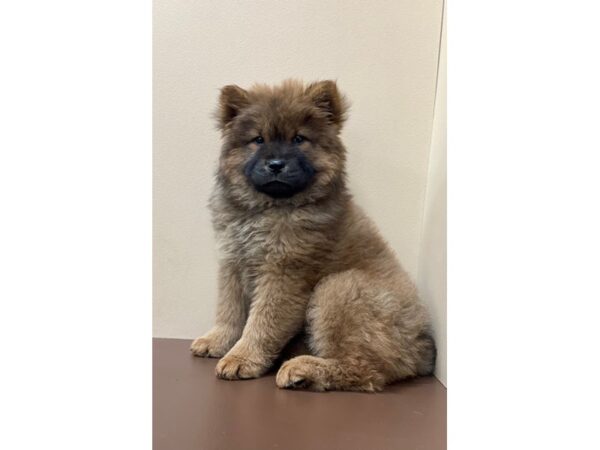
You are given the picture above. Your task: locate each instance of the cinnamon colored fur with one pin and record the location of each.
(309, 266)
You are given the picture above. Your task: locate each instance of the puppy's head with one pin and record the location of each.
(281, 144)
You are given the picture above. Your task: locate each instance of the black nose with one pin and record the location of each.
(276, 165)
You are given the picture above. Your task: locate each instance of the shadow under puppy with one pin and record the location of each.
(298, 256)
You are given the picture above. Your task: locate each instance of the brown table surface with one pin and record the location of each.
(192, 409)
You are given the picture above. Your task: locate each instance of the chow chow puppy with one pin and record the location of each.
(300, 261)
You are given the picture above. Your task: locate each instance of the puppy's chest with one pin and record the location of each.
(258, 241)
(274, 242)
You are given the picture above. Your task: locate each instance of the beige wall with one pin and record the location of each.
(431, 277)
(384, 55)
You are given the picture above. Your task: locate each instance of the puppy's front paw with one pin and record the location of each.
(236, 367)
(212, 345)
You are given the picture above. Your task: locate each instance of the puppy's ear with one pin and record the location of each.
(326, 96)
(232, 100)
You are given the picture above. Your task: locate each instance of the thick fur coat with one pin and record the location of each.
(300, 262)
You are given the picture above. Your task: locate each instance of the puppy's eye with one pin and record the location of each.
(298, 139)
(258, 140)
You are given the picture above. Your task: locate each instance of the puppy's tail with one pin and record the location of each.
(427, 354)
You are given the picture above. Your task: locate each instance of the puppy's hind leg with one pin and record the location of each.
(323, 374)
(364, 332)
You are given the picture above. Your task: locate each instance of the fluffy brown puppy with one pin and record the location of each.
(299, 257)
